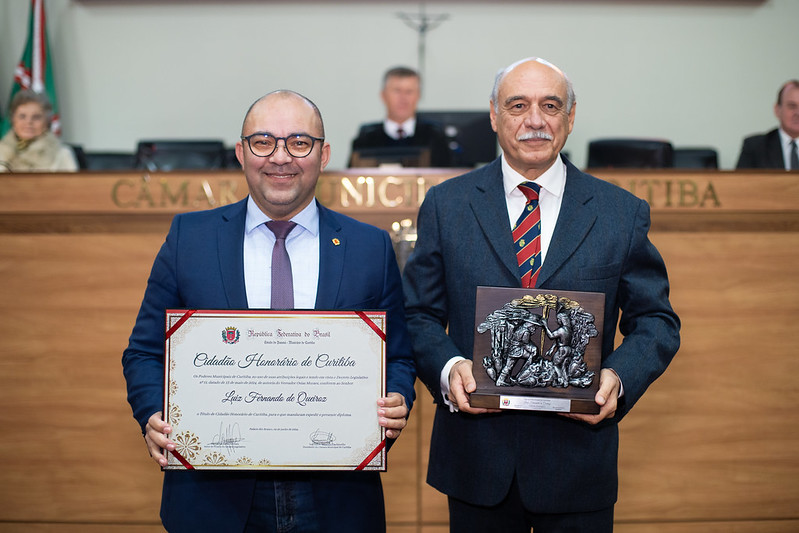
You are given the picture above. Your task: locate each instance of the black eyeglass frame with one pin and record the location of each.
(285, 144)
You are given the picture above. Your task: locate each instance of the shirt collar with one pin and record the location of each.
(553, 180)
(408, 127)
(308, 218)
(785, 139)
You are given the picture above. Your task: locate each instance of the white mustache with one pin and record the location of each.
(534, 135)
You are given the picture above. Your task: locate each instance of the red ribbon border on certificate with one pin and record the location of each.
(372, 455)
(382, 444)
(371, 324)
(169, 333)
(180, 322)
(183, 461)
(363, 317)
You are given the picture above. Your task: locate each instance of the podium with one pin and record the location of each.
(712, 441)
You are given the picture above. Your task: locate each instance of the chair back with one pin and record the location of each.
(707, 158)
(630, 153)
(166, 155)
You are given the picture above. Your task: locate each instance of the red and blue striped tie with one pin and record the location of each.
(527, 236)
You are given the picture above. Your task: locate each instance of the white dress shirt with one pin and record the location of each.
(302, 244)
(392, 128)
(785, 144)
(552, 183)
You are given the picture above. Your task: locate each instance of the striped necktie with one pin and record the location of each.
(527, 236)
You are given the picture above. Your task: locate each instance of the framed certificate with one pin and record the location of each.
(282, 390)
(537, 350)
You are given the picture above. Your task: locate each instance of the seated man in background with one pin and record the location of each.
(400, 128)
(777, 148)
(30, 146)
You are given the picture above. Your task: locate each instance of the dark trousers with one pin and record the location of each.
(510, 516)
(317, 502)
(283, 506)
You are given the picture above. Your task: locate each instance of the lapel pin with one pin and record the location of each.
(336, 242)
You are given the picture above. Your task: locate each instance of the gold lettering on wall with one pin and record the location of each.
(144, 193)
(672, 193)
(374, 192)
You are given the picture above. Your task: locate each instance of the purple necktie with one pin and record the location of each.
(282, 284)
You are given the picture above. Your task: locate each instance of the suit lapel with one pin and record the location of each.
(230, 239)
(487, 201)
(577, 215)
(332, 245)
(774, 144)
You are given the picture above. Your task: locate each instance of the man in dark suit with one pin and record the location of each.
(401, 129)
(220, 259)
(512, 470)
(777, 148)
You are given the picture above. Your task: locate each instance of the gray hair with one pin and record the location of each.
(570, 98)
(27, 96)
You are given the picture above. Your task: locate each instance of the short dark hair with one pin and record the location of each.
(789, 83)
(399, 72)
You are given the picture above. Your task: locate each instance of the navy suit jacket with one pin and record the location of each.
(600, 244)
(762, 151)
(200, 266)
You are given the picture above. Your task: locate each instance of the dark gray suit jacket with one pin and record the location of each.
(600, 244)
(762, 151)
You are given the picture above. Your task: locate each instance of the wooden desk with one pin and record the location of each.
(711, 446)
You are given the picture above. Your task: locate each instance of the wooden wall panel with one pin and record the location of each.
(716, 437)
(69, 302)
(711, 447)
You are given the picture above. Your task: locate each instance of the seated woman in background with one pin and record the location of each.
(30, 146)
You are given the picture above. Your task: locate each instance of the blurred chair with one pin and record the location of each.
(403, 156)
(169, 155)
(80, 155)
(230, 159)
(109, 161)
(472, 141)
(706, 158)
(630, 153)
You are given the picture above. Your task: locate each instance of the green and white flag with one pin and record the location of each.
(35, 70)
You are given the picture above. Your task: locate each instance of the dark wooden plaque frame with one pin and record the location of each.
(571, 399)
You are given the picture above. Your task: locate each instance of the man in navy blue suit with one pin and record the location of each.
(512, 470)
(220, 259)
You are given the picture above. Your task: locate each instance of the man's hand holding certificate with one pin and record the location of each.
(275, 390)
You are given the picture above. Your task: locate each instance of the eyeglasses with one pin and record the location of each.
(264, 144)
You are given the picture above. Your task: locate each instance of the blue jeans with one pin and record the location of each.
(283, 506)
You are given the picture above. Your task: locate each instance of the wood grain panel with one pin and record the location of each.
(711, 447)
(715, 438)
